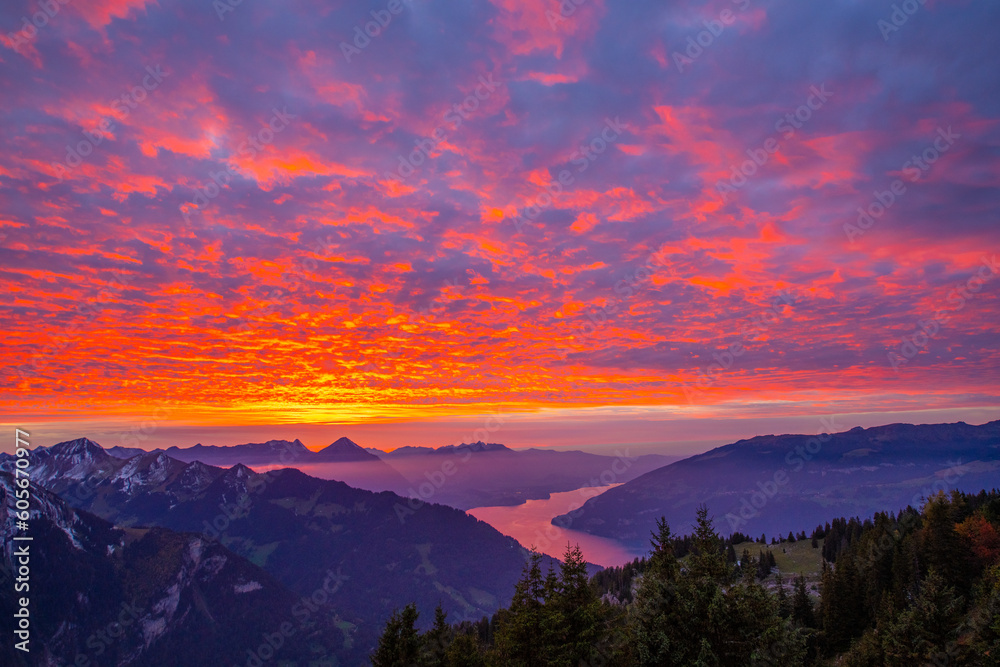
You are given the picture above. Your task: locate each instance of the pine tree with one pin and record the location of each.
(987, 620)
(400, 642)
(802, 605)
(707, 560)
(747, 565)
(662, 561)
(437, 639)
(464, 651)
(842, 610)
(575, 613)
(941, 543)
(927, 630)
(784, 605)
(521, 628)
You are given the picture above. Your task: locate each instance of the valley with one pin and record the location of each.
(531, 524)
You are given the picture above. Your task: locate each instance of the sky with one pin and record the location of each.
(664, 224)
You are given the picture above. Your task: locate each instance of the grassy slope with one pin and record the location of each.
(792, 559)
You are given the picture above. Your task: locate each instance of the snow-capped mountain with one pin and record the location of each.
(389, 549)
(100, 595)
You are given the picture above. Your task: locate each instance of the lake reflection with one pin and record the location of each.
(530, 525)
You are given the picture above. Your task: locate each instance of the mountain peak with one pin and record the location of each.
(478, 446)
(239, 472)
(344, 449)
(84, 447)
(297, 444)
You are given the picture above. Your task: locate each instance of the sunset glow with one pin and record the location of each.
(263, 218)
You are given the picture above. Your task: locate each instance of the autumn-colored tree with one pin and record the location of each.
(982, 540)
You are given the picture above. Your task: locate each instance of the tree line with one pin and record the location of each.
(918, 588)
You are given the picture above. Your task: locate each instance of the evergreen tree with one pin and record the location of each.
(658, 615)
(400, 642)
(784, 604)
(747, 565)
(707, 560)
(575, 613)
(941, 543)
(662, 561)
(698, 617)
(521, 628)
(802, 605)
(841, 607)
(986, 620)
(928, 630)
(464, 651)
(437, 639)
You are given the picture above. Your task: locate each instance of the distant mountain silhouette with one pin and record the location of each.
(777, 483)
(479, 474)
(298, 528)
(263, 453)
(342, 460)
(472, 448)
(343, 449)
(483, 474)
(270, 453)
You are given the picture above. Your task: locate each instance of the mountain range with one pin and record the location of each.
(383, 549)
(343, 460)
(478, 474)
(483, 474)
(210, 555)
(272, 452)
(775, 483)
(102, 595)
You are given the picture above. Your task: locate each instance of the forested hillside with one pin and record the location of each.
(918, 588)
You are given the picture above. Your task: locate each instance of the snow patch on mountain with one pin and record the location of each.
(248, 587)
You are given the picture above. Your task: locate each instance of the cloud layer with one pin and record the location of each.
(339, 211)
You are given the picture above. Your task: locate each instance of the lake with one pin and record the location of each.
(529, 524)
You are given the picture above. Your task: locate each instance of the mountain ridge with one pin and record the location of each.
(105, 595)
(773, 483)
(297, 527)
